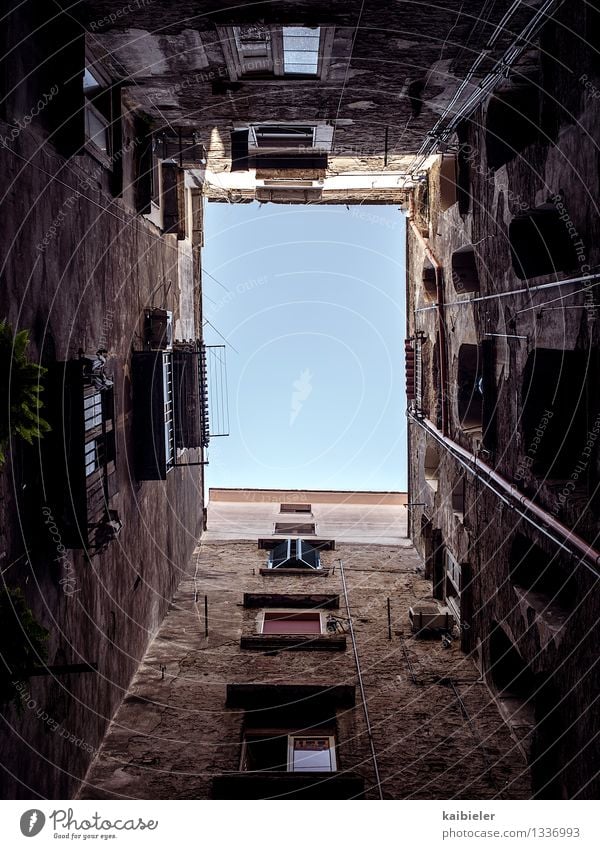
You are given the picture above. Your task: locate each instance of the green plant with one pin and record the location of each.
(22, 643)
(20, 387)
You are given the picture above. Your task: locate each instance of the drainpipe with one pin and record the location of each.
(360, 682)
(439, 289)
(527, 509)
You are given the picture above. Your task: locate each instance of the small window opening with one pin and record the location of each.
(464, 270)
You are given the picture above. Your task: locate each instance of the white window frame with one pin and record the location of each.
(288, 611)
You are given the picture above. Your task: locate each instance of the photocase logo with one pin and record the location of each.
(32, 822)
(302, 389)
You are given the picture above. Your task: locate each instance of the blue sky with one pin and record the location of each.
(314, 306)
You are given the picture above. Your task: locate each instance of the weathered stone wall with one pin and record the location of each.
(78, 269)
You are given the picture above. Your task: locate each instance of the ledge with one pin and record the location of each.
(297, 600)
(293, 642)
(288, 785)
(301, 696)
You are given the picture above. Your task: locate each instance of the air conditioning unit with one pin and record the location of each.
(430, 618)
(159, 329)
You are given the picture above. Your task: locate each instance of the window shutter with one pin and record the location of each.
(65, 71)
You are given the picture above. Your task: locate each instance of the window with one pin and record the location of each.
(97, 124)
(92, 460)
(432, 466)
(291, 622)
(464, 270)
(295, 508)
(512, 123)
(296, 528)
(274, 750)
(556, 401)
(540, 243)
(545, 583)
(261, 52)
(294, 554)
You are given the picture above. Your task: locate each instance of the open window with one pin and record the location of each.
(463, 169)
(458, 498)
(298, 148)
(555, 413)
(259, 52)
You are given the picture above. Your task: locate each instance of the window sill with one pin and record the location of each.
(293, 642)
(316, 573)
(285, 785)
